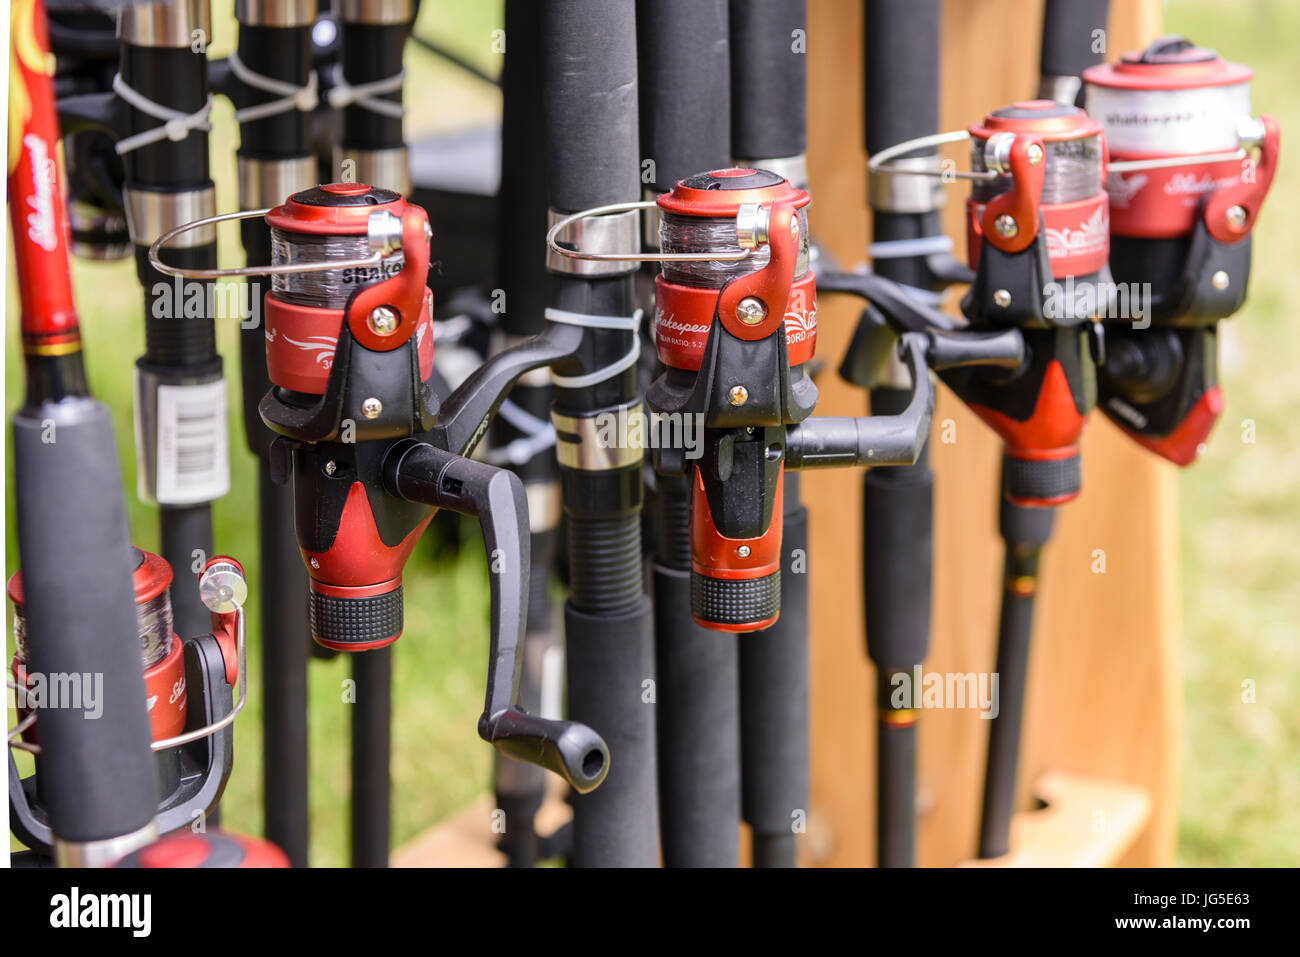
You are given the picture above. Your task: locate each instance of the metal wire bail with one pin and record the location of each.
(384, 239)
(552, 240)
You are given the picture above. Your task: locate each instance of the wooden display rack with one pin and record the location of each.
(1103, 712)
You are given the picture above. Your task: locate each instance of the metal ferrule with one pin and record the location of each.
(545, 505)
(165, 23)
(387, 168)
(275, 13)
(105, 852)
(376, 12)
(793, 168)
(890, 190)
(650, 221)
(150, 213)
(613, 233)
(1061, 89)
(88, 218)
(586, 443)
(269, 182)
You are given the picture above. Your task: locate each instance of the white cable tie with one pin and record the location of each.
(345, 94)
(176, 125)
(903, 248)
(630, 323)
(292, 97)
(539, 435)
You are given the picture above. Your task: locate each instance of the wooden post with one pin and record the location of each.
(1104, 696)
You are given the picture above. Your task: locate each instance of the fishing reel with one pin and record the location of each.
(188, 683)
(371, 451)
(1185, 191)
(1037, 241)
(735, 326)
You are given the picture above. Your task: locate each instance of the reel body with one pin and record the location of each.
(1185, 196)
(1038, 242)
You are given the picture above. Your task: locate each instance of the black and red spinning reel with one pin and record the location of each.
(1189, 171)
(188, 683)
(371, 452)
(1037, 231)
(735, 326)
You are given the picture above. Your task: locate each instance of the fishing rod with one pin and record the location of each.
(901, 100)
(592, 157)
(368, 90)
(1025, 522)
(1024, 361)
(1073, 39)
(372, 452)
(682, 56)
(159, 112)
(1181, 224)
(71, 517)
(768, 131)
(523, 439)
(272, 82)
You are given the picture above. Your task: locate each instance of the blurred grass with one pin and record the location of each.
(1240, 506)
(439, 763)
(1240, 517)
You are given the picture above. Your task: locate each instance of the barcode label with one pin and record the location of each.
(193, 462)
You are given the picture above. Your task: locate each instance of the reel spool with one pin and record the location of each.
(716, 212)
(1185, 194)
(330, 227)
(1068, 147)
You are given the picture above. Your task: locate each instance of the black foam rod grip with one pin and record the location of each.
(901, 70)
(1070, 40)
(521, 207)
(590, 96)
(897, 536)
(685, 65)
(699, 730)
(774, 695)
(610, 673)
(97, 772)
(769, 78)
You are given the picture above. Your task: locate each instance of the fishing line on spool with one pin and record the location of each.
(697, 234)
(1072, 171)
(330, 288)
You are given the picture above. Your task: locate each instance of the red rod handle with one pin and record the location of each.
(36, 209)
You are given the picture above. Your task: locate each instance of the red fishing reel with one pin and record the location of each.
(188, 685)
(735, 322)
(349, 351)
(1038, 230)
(1190, 168)
(371, 451)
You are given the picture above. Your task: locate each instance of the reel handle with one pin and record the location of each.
(420, 472)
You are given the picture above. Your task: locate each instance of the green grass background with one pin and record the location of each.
(1240, 518)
